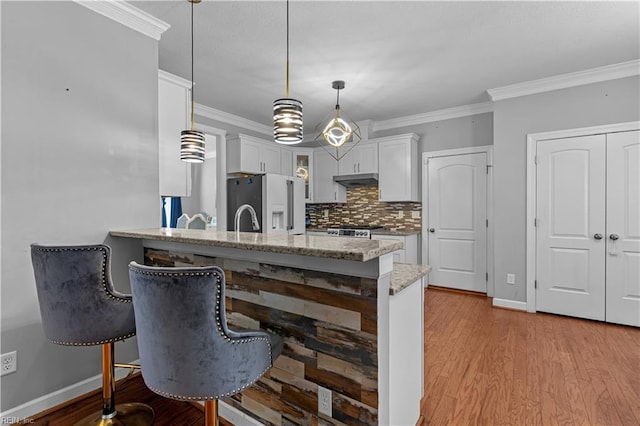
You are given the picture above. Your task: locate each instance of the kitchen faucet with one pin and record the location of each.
(254, 217)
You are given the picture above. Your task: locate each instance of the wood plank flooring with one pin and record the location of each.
(483, 366)
(488, 366)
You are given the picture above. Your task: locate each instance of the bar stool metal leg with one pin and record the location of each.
(211, 412)
(130, 414)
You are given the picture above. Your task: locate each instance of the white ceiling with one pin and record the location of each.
(398, 58)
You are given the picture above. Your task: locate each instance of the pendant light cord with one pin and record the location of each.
(287, 70)
(192, 84)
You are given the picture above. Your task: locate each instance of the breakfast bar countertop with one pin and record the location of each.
(354, 249)
(405, 274)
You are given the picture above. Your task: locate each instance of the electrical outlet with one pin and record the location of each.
(415, 214)
(9, 363)
(400, 214)
(324, 401)
(325, 213)
(511, 278)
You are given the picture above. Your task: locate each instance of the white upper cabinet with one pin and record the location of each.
(399, 170)
(325, 190)
(247, 154)
(271, 159)
(302, 165)
(363, 158)
(286, 162)
(173, 117)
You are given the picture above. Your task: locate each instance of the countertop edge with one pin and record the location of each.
(405, 274)
(344, 254)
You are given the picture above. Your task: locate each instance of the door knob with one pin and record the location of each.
(613, 237)
(432, 230)
(597, 236)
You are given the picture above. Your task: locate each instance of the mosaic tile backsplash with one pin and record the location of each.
(363, 208)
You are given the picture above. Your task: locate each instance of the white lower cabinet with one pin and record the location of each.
(409, 252)
(325, 190)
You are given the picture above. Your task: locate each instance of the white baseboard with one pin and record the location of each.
(50, 400)
(510, 304)
(25, 411)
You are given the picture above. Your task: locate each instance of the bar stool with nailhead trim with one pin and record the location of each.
(80, 307)
(187, 352)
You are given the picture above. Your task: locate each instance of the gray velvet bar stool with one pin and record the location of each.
(80, 307)
(187, 351)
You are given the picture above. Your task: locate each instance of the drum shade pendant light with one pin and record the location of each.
(337, 131)
(287, 112)
(192, 141)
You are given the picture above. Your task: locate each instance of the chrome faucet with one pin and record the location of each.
(254, 217)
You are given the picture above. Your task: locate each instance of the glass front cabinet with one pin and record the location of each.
(303, 168)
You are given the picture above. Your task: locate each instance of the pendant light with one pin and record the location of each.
(287, 112)
(337, 131)
(192, 141)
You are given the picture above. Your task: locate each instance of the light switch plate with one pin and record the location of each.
(511, 278)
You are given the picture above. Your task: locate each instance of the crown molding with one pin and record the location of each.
(564, 81)
(429, 117)
(172, 78)
(234, 120)
(130, 16)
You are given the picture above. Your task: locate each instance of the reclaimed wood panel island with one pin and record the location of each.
(329, 298)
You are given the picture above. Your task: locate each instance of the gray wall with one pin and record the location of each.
(609, 102)
(463, 132)
(79, 157)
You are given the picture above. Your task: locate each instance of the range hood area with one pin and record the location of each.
(353, 181)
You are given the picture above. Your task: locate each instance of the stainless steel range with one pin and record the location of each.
(352, 231)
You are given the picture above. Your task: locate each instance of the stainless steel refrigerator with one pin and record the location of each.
(277, 200)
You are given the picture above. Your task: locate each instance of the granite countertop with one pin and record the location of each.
(405, 274)
(400, 233)
(355, 249)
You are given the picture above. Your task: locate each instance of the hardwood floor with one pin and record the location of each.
(483, 366)
(168, 412)
(488, 366)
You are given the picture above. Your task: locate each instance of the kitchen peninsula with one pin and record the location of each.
(350, 322)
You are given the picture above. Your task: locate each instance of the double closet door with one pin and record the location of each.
(588, 227)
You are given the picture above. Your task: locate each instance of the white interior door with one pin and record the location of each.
(623, 228)
(571, 230)
(457, 215)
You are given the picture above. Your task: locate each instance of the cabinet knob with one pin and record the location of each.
(597, 236)
(613, 237)
(432, 230)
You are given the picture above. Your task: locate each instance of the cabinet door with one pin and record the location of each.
(367, 158)
(324, 189)
(286, 162)
(347, 164)
(270, 159)
(396, 172)
(173, 113)
(303, 168)
(250, 157)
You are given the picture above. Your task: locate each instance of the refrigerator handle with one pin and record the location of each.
(289, 205)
